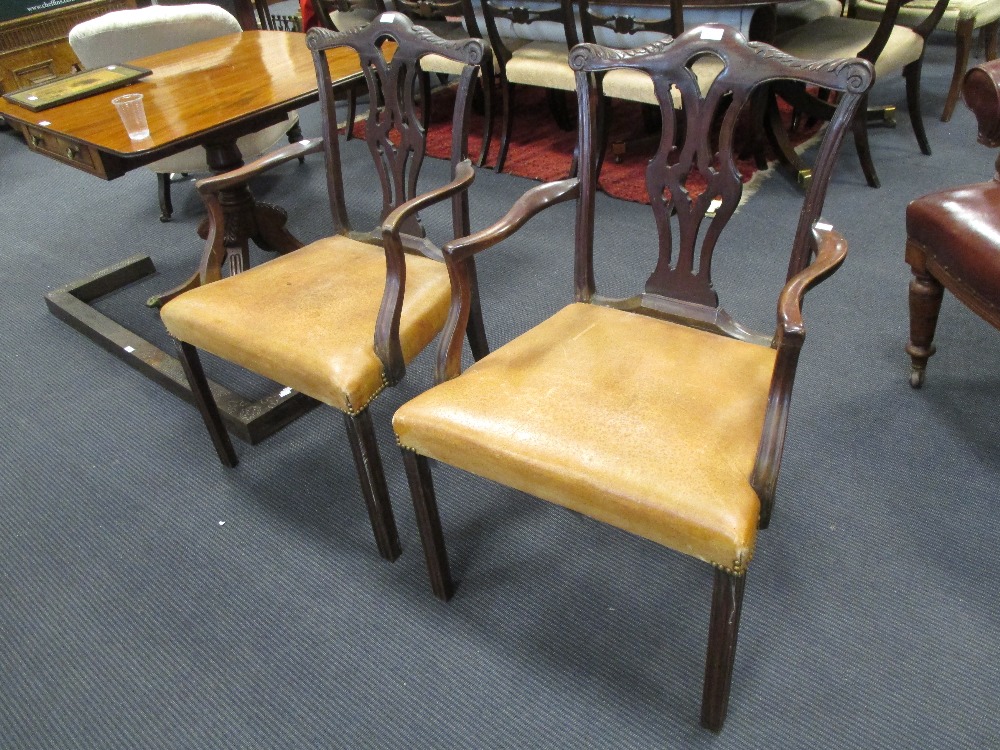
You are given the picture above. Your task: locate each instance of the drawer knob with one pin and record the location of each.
(72, 152)
(37, 141)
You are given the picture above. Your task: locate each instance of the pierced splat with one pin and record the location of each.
(697, 141)
(394, 133)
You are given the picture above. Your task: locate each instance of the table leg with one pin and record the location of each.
(246, 220)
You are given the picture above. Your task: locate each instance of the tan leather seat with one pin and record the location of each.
(622, 417)
(318, 339)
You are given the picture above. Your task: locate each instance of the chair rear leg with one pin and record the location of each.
(727, 602)
(486, 84)
(205, 402)
(368, 462)
(912, 75)
(926, 294)
(418, 472)
(507, 105)
(163, 192)
(989, 36)
(963, 47)
(860, 127)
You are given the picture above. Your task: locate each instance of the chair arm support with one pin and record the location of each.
(459, 257)
(530, 203)
(270, 160)
(387, 346)
(830, 249)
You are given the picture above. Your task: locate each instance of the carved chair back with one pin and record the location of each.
(520, 13)
(418, 10)
(345, 15)
(875, 47)
(627, 22)
(389, 49)
(698, 139)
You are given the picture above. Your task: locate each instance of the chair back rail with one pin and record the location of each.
(625, 21)
(522, 13)
(698, 138)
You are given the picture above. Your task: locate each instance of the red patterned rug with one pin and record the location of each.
(540, 150)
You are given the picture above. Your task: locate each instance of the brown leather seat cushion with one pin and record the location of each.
(960, 231)
(646, 425)
(307, 319)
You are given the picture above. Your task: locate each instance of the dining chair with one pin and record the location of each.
(658, 414)
(953, 235)
(440, 16)
(541, 62)
(961, 17)
(340, 318)
(891, 47)
(125, 35)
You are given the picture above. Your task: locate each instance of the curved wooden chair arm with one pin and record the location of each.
(830, 249)
(270, 160)
(532, 202)
(387, 346)
(459, 256)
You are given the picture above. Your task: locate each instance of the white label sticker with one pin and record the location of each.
(130, 349)
(286, 391)
(112, 67)
(387, 17)
(712, 34)
(824, 226)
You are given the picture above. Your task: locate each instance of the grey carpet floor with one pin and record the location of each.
(151, 599)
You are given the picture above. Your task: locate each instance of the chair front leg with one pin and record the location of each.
(418, 472)
(368, 462)
(205, 402)
(475, 329)
(926, 294)
(727, 602)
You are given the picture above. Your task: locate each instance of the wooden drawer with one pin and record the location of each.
(69, 152)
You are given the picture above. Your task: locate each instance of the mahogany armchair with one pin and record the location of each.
(951, 235)
(681, 445)
(888, 44)
(340, 318)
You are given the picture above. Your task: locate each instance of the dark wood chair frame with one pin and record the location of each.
(397, 164)
(817, 107)
(558, 11)
(625, 23)
(981, 88)
(675, 290)
(418, 11)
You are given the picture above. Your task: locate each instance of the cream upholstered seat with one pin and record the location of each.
(658, 414)
(672, 397)
(891, 47)
(961, 17)
(340, 318)
(124, 35)
(317, 340)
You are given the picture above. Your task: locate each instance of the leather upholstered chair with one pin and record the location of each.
(125, 35)
(890, 46)
(952, 235)
(683, 445)
(340, 318)
(962, 17)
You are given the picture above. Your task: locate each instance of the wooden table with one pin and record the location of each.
(206, 94)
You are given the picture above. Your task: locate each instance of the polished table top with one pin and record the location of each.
(216, 89)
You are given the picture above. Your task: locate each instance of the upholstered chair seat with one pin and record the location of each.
(961, 17)
(542, 64)
(959, 230)
(829, 37)
(636, 86)
(319, 339)
(680, 403)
